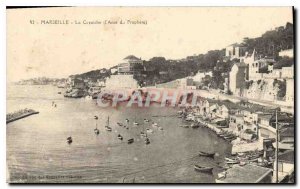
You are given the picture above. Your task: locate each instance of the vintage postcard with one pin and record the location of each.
(150, 95)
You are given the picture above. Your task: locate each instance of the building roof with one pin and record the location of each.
(287, 156)
(265, 116)
(131, 57)
(246, 174)
(255, 108)
(283, 117)
(266, 60)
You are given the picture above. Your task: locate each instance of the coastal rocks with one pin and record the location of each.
(75, 93)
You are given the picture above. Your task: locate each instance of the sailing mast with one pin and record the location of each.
(276, 155)
(108, 121)
(96, 130)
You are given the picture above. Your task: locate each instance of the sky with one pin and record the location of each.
(60, 50)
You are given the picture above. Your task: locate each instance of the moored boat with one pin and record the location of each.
(96, 131)
(194, 125)
(149, 130)
(206, 154)
(129, 141)
(232, 162)
(229, 136)
(143, 134)
(154, 124)
(69, 140)
(203, 169)
(147, 141)
(107, 127)
(120, 137)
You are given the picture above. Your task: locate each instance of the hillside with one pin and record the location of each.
(160, 70)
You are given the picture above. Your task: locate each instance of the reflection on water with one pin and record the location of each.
(37, 150)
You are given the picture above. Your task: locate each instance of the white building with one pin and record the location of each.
(129, 65)
(237, 78)
(235, 51)
(288, 53)
(289, 96)
(121, 81)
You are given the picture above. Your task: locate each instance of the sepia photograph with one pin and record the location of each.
(150, 95)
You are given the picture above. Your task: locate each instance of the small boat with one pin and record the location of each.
(203, 169)
(147, 141)
(135, 123)
(229, 136)
(230, 159)
(190, 118)
(120, 137)
(146, 120)
(206, 154)
(59, 93)
(129, 141)
(107, 127)
(143, 134)
(149, 130)
(127, 120)
(69, 140)
(232, 162)
(96, 131)
(154, 124)
(194, 125)
(185, 126)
